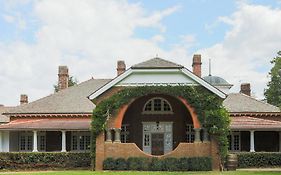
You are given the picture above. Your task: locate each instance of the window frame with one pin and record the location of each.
(232, 144)
(153, 111)
(79, 135)
(125, 133)
(190, 133)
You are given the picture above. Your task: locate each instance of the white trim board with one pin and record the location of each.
(193, 80)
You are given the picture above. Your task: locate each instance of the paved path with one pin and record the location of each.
(259, 169)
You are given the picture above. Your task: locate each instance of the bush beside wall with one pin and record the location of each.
(259, 159)
(44, 160)
(155, 164)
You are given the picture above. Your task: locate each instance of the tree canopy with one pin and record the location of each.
(273, 91)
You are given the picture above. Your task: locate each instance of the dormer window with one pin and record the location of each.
(157, 105)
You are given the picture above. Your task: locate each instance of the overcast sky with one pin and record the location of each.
(89, 36)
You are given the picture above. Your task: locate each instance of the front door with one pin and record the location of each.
(157, 143)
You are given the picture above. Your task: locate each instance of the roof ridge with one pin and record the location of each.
(152, 63)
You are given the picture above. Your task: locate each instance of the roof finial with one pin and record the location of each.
(210, 67)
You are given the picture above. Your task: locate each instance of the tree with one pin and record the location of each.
(71, 82)
(273, 91)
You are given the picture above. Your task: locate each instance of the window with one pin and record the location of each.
(41, 137)
(189, 133)
(125, 133)
(157, 106)
(234, 141)
(80, 141)
(25, 141)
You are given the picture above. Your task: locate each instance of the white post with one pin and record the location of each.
(63, 141)
(35, 149)
(1, 147)
(252, 141)
(279, 141)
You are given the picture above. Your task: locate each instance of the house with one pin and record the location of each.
(151, 125)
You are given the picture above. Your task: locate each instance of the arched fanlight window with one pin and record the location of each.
(157, 105)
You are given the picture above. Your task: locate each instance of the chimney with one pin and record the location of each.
(246, 89)
(63, 77)
(196, 65)
(23, 99)
(121, 67)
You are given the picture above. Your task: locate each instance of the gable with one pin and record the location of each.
(157, 77)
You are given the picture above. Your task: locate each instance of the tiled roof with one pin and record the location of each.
(156, 63)
(238, 102)
(4, 118)
(48, 124)
(246, 123)
(71, 100)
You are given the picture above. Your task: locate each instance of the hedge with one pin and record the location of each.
(155, 164)
(259, 159)
(31, 160)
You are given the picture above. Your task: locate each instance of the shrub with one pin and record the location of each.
(200, 164)
(138, 163)
(120, 164)
(171, 164)
(156, 164)
(259, 159)
(183, 164)
(44, 160)
(109, 164)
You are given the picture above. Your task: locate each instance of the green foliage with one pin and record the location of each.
(31, 160)
(71, 82)
(155, 164)
(121, 164)
(259, 159)
(211, 113)
(273, 91)
(200, 164)
(171, 164)
(109, 164)
(138, 163)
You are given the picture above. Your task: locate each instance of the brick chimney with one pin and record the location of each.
(23, 99)
(196, 65)
(246, 89)
(63, 78)
(121, 67)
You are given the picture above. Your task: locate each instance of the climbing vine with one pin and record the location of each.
(208, 106)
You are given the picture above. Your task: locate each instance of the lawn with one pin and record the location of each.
(140, 173)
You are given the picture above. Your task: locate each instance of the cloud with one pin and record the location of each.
(88, 36)
(248, 46)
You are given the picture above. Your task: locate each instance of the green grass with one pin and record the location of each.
(140, 173)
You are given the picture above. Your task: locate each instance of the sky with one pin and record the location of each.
(89, 36)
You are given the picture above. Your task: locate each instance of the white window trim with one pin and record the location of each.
(41, 133)
(26, 134)
(190, 133)
(152, 111)
(232, 134)
(79, 134)
(125, 133)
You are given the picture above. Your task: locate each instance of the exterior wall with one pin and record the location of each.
(14, 141)
(267, 141)
(5, 141)
(126, 150)
(53, 141)
(107, 94)
(179, 118)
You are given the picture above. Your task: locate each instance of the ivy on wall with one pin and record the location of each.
(208, 106)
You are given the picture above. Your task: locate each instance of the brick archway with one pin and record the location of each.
(121, 113)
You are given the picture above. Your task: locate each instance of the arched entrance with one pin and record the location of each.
(157, 123)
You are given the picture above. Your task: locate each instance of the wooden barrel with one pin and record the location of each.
(232, 162)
